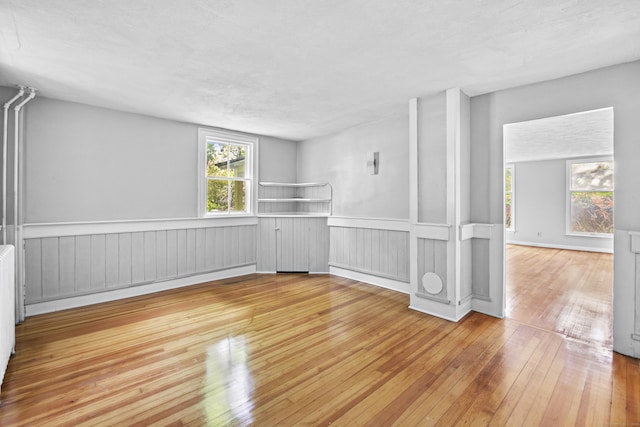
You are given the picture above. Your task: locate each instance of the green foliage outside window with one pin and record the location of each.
(592, 197)
(592, 211)
(226, 187)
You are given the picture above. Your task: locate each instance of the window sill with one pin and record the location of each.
(596, 235)
(221, 215)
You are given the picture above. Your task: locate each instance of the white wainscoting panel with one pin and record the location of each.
(116, 294)
(633, 310)
(67, 266)
(377, 252)
(318, 245)
(466, 270)
(480, 251)
(432, 258)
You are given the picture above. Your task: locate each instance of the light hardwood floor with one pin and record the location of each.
(569, 292)
(279, 350)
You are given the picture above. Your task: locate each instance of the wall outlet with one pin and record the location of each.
(539, 233)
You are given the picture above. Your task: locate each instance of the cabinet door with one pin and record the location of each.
(292, 244)
(266, 245)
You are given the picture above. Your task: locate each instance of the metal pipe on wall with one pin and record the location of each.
(16, 134)
(20, 296)
(5, 143)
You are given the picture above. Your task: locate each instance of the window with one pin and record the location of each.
(509, 207)
(225, 173)
(590, 196)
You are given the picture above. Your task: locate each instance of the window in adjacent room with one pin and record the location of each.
(225, 173)
(509, 211)
(590, 197)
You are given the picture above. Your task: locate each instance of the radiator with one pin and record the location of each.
(7, 307)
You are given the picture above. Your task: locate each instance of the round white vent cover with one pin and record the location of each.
(432, 283)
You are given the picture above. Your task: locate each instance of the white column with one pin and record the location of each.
(451, 307)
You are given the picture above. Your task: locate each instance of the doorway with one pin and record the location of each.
(559, 224)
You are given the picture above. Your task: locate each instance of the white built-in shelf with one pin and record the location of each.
(294, 199)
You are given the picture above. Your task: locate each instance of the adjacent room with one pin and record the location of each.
(559, 193)
(296, 213)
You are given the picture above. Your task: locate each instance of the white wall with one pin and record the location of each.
(341, 160)
(278, 160)
(370, 242)
(541, 205)
(432, 159)
(617, 86)
(85, 163)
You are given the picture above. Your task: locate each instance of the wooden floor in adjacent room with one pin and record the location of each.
(292, 350)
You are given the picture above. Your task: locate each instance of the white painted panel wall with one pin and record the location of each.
(112, 264)
(466, 270)
(541, 206)
(67, 266)
(318, 245)
(480, 249)
(432, 258)
(383, 253)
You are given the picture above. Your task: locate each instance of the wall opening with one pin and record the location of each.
(558, 202)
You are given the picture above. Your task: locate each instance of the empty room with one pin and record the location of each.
(306, 213)
(559, 192)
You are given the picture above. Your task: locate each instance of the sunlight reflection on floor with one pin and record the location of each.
(228, 383)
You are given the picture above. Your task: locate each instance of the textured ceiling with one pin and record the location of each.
(574, 135)
(299, 69)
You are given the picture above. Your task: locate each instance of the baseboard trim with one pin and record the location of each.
(370, 279)
(553, 246)
(372, 223)
(440, 315)
(134, 291)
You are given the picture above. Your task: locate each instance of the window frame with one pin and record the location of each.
(512, 167)
(569, 190)
(226, 137)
